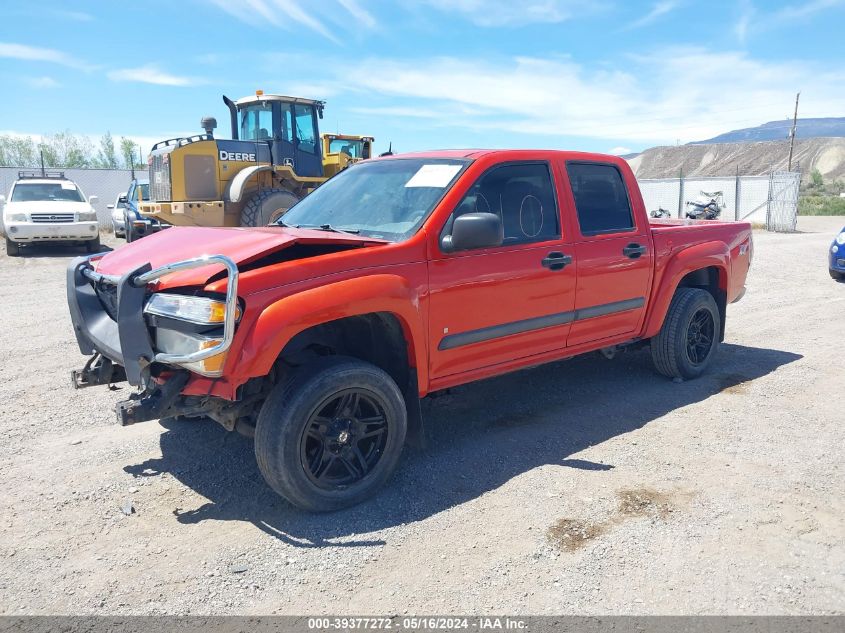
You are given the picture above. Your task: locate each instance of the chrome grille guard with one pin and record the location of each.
(231, 300)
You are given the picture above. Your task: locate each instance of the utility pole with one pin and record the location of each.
(792, 133)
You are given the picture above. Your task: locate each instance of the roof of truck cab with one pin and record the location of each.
(268, 97)
(515, 154)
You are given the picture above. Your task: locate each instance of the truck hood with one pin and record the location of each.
(241, 245)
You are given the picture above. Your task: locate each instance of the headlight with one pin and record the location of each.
(182, 343)
(87, 216)
(199, 310)
(840, 239)
(16, 217)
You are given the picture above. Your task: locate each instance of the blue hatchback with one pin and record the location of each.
(837, 257)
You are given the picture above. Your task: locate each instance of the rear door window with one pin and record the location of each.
(601, 198)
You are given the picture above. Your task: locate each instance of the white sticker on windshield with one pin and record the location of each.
(433, 176)
(69, 185)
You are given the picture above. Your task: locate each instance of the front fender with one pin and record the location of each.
(705, 255)
(279, 322)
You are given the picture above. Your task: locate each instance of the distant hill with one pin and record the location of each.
(779, 130)
(751, 158)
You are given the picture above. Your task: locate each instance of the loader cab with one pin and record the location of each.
(288, 124)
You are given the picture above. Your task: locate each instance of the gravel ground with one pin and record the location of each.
(589, 486)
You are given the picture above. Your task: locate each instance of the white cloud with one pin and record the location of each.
(279, 13)
(744, 22)
(659, 97)
(751, 20)
(806, 10)
(495, 13)
(151, 74)
(657, 10)
(41, 82)
(359, 13)
(619, 150)
(39, 54)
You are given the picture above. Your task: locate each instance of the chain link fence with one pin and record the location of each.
(770, 200)
(106, 184)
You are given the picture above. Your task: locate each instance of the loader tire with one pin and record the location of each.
(267, 207)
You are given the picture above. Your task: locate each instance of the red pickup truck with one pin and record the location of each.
(399, 277)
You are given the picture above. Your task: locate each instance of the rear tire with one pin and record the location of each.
(689, 338)
(267, 206)
(331, 434)
(13, 249)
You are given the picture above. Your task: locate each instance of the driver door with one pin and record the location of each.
(494, 305)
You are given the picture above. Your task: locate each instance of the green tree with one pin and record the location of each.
(107, 157)
(65, 149)
(18, 151)
(127, 151)
(816, 179)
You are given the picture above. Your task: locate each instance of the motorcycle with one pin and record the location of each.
(707, 206)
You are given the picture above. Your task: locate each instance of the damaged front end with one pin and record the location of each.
(153, 340)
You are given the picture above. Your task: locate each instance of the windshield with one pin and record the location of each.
(354, 149)
(145, 192)
(44, 191)
(387, 199)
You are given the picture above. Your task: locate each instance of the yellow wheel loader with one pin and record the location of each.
(274, 158)
(341, 150)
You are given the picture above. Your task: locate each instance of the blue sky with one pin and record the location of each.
(607, 75)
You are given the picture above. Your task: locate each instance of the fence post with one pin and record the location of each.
(769, 201)
(681, 193)
(736, 195)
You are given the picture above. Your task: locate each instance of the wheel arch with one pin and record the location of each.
(705, 266)
(238, 184)
(381, 298)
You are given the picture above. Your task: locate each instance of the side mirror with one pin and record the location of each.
(93, 199)
(109, 207)
(474, 230)
(2, 198)
(122, 200)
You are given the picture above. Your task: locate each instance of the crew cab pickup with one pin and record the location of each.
(399, 277)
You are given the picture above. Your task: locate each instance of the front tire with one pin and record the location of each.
(93, 246)
(332, 434)
(13, 249)
(267, 207)
(689, 338)
(835, 274)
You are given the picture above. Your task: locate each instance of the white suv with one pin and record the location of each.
(47, 207)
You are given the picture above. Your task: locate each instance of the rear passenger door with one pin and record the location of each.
(613, 252)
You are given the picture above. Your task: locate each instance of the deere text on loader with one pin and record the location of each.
(274, 158)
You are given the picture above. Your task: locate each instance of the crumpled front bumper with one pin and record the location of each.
(121, 337)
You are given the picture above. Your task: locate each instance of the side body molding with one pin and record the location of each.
(668, 276)
(279, 322)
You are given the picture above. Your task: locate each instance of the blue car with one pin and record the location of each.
(134, 225)
(837, 257)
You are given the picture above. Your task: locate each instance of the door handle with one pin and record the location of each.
(634, 250)
(556, 260)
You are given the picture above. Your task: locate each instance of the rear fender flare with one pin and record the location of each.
(708, 254)
(238, 184)
(287, 317)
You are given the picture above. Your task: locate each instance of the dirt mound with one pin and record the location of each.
(752, 159)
